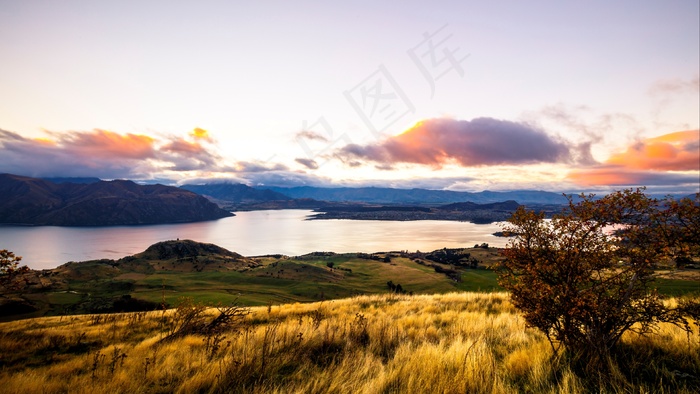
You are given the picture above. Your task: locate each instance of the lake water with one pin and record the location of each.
(248, 233)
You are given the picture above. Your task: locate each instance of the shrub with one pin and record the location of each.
(9, 267)
(584, 278)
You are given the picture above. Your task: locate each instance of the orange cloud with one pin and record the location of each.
(670, 152)
(104, 154)
(653, 161)
(605, 175)
(45, 141)
(103, 143)
(200, 134)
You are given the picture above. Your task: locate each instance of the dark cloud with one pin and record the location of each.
(185, 155)
(205, 180)
(308, 163)
(479, 142)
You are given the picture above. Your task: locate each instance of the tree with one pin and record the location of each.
(584, 277)
(9, 267)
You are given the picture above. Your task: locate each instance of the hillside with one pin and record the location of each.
(31, 201)
(169, 270)
(391, 343)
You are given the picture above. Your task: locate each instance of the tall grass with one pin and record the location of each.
(450, 343)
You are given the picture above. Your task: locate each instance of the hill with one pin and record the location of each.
(170, 270)
(31, 201)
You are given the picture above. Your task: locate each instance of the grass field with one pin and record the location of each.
(442, 343)
(93, 286)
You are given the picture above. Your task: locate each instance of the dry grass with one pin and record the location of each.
(450, 343)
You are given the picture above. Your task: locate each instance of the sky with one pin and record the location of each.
(502, 95)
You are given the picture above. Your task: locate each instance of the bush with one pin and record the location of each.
(585, 277)
(10, 268)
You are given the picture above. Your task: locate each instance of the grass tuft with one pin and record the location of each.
(393, 343)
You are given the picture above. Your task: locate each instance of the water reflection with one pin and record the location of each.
(248, 233)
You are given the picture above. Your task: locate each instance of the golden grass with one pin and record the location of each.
(449, 343)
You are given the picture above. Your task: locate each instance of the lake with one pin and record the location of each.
(248, 233)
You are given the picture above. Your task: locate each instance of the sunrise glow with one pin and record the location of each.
(456, 96)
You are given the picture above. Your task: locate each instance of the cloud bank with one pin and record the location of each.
(106, 154)
(479, 142)
(669, 159)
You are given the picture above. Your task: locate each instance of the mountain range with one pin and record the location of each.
(32, 201)
(236, 192)
(381, 195)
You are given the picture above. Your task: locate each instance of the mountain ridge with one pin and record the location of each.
(380, 195)
(33, 201)
(240, 193)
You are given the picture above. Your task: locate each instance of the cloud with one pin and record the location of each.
(433, 183)
(285, 179)
(105, 154)
(654, 161)
(97, 153)
(612, 175)
(678, 151)
(201, 134)
(671, 98)
(479, 142)
(308, 163)
(104, 144)
(675, 86)
(186, 155)
(310, 135)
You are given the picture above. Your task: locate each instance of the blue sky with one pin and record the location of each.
(321, 93)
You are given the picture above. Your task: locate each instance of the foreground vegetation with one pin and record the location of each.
(206, 273)
(448, 343)
(586, 276)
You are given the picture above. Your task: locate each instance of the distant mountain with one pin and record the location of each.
(509, 205)
(378, 195)
(236, 192)
(33, 201)
(72, 179)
